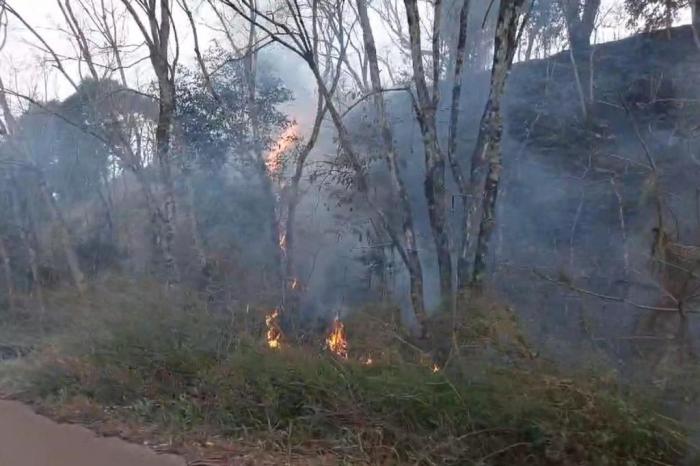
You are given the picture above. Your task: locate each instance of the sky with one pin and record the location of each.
(23, 67)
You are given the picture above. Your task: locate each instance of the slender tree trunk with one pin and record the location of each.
(580, 24)
(157, 38)
(294, 194)
(413, 263)
(361, 182)
(504, 51)
(166, 113)
(434, 185)
(579, 27)
(579, 85)
(463, 272)
(9, 277)
(268, 191)
(64, 232)
(695, 8)
(530, 45)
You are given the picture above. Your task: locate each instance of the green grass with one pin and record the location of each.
(187, 371)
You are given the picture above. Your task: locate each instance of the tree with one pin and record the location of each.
(410, 248)
(463, 262)
(656, 14)
(511, 16)
(301, 36)
(213, 126)
(14, 145)
(545, 28)
(425, 107)
(580, 18)
(158, 41)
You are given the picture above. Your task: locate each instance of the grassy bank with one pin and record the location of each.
(188, 372)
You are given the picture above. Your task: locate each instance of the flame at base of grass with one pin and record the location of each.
(274, 334)
(336, 341)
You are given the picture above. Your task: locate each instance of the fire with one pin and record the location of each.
(274, 160)
(336, 341)
(436, 368)
(296, 284)
(283, 241)
(274, 334)
(368, 361)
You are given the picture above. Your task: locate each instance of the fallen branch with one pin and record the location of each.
(604, 297)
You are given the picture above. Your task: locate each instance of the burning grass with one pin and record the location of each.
(179, 371)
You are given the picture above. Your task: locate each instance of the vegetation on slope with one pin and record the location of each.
(145, 360)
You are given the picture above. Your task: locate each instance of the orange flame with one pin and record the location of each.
(336, 341)
(274, 160)
(436, 368)
(274, 334)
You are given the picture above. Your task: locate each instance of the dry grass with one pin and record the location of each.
(146, 360)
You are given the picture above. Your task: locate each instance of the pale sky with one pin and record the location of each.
(21, 61)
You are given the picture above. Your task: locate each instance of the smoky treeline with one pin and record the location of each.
(313, 156)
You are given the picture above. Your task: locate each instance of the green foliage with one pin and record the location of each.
(653, 14)
(211, 127)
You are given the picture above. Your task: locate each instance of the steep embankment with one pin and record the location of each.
(579, 197)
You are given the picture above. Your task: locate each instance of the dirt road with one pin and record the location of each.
(27, 439)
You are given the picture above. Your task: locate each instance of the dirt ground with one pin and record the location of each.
(27, 439)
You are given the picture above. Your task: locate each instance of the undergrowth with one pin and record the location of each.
(186, 370)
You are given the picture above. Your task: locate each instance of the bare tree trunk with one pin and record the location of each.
(9, 277)
(413, 263)
(504, 50)
(361, 182)
(530, 45)
(167, 214)
(580, 25)
(463, 272)
(294, 195)
(251, 87)
(579, 85)
(434, 186)
(695, 8)
(157, 37)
